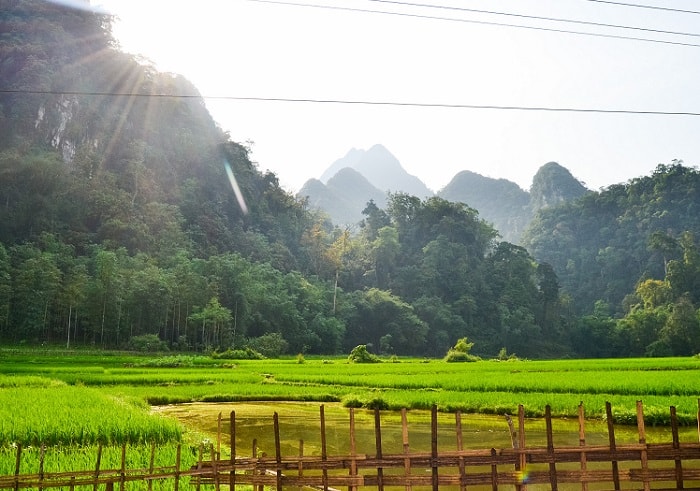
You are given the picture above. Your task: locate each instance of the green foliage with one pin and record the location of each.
(503, 355)
(359, 354)
(459, 353)
(168, 362)
(246, 353)
(147, 342)
(271, 345)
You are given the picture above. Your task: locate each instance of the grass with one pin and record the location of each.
(104, 397)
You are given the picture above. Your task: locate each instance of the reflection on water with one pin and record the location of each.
(301, 421)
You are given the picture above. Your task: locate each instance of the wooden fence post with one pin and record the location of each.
(521, 464)
(434, 447)
(97, 466)
(215, 459)
(643, 441)
(582, 443)
(494, 471)
(353, 449)
(18, 460)
(178, 453)
(200, 459)
(678, 465)
(613, 447)
(300, 466)
(232, 432)
(550, 448)
(378, 446)
(151, 464)
(278, 451)
(406, 451)
(42, 452)
(698, 418)
(218, 437)
(324, 455)
(460, 448)
(122, 470)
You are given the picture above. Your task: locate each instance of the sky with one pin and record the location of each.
(415, 76)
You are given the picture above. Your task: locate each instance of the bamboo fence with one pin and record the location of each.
(641, 465)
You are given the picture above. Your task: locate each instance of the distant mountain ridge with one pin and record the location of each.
(344, 196)
(382, 169)
(507, 206)
(344, 189)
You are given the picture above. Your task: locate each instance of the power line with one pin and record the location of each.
(355, 102)
(536, 17)
(473, 21)
(653, 7)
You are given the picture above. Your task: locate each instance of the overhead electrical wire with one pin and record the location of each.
(652, 7)
(474, 21)
(355, 102)
(535, 17)
(424, 104)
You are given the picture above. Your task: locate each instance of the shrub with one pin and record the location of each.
(359, 354)
(238, 354)
(168, 362)
(460, 352)
(504, 356)
(271, 345)
(147, 343)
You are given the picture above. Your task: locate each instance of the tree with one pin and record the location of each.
(682, 329)
(37, 285)
(379, 313)
(214, 319)
(385, 249)
(460, 352)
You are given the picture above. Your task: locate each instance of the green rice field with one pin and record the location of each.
(71, 401)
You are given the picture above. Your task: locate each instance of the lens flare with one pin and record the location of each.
(236, 189)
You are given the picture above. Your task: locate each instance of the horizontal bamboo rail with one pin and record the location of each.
(641, 465)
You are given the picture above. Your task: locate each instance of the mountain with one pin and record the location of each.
(343, 197)
(382, 169)
(498, 201)
(508, 207)
(360, 176)
(553, 185)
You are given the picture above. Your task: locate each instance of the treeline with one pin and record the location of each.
(416, 278)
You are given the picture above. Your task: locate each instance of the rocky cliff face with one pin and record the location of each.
(553, 185)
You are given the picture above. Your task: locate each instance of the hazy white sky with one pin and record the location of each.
(261, 49)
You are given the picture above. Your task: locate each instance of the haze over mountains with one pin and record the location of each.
(349, 183)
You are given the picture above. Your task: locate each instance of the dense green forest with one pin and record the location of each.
(117, 221)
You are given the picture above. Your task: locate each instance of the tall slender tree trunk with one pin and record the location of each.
(335, 290)
(102, 329)
(70, 314)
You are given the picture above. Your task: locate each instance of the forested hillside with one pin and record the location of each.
(629, 253)
(119, 228)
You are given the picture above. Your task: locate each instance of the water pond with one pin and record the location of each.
(301, 421)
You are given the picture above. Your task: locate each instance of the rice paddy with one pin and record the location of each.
(73, 401)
